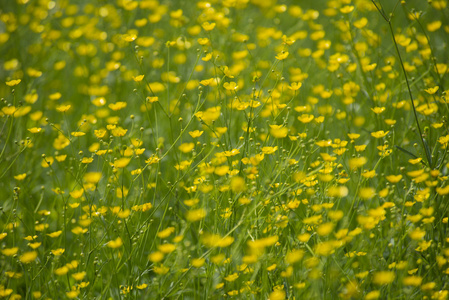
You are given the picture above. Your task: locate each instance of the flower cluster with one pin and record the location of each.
(259, 149)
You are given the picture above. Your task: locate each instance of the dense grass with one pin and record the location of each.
(241, 148)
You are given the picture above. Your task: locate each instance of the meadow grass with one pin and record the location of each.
(248, 149)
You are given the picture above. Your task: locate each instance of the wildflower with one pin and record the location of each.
(355, 163)
(138, 78)
(142, 286)
(278, 131)
(156, 256)
(306, 118)
(58, 252)
(61, 271)
(166, 232)
(379, 134)
(195, 133)
(295, 86)
(10, 251)
(195, 215)
(283, 55)
(208, 26)
(378, 110)
(13, 82)
(346, 9)
(28, 257)
(238, 184)
(277, 295)
(264, 242)
(198, 262)
(186, 147)
(417, 234)
(373, 295)
(63, 108)
(383, 277)
(79, 276)
(35, 129)
(294, 256)
(230, 86)
(231, 277)
(121, 162)
(367, 193)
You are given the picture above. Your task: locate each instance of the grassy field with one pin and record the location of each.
(244, 149)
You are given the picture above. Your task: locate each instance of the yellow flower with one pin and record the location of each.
(434, 26)
(353, 136)
(28, 257)
(142, 286)
(238, 184)
(294, 256)
(161, 270)
(100, 101)
(278, 131)
(156, 257)
(263, 242)
(78, 133)
(355, 163)
(306, 118)
(63, 108)
(442, 191)
(79, 230)
(415, 161)
(379, 134)
(72, 294)
(295, 86)
(115, 243)
(432, 90)
(13, 82)
(282, 55)
(117, 106)
(367, 193)
(166, 248)
(20, 177)
(325, 229)
(152, 99)
(196, 215)
(417, 234)
(55, 234)
(208, 26)
(10, 251)
(383, 277)
(198, 262)
(87, 160)
(277, 295)
(92, 177)
(138, 78)
(230, 86)
(360, 23)
(196, 133)
(203, 41)
(61, 271)
(378, 110)
(346, 9)
(394, 178)
(166, 232)
(9, 110)
(79, 276)
(122, 162)
(129, 37)
(373, 295)
(35, 129)
(186, 147)
(231, 277)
